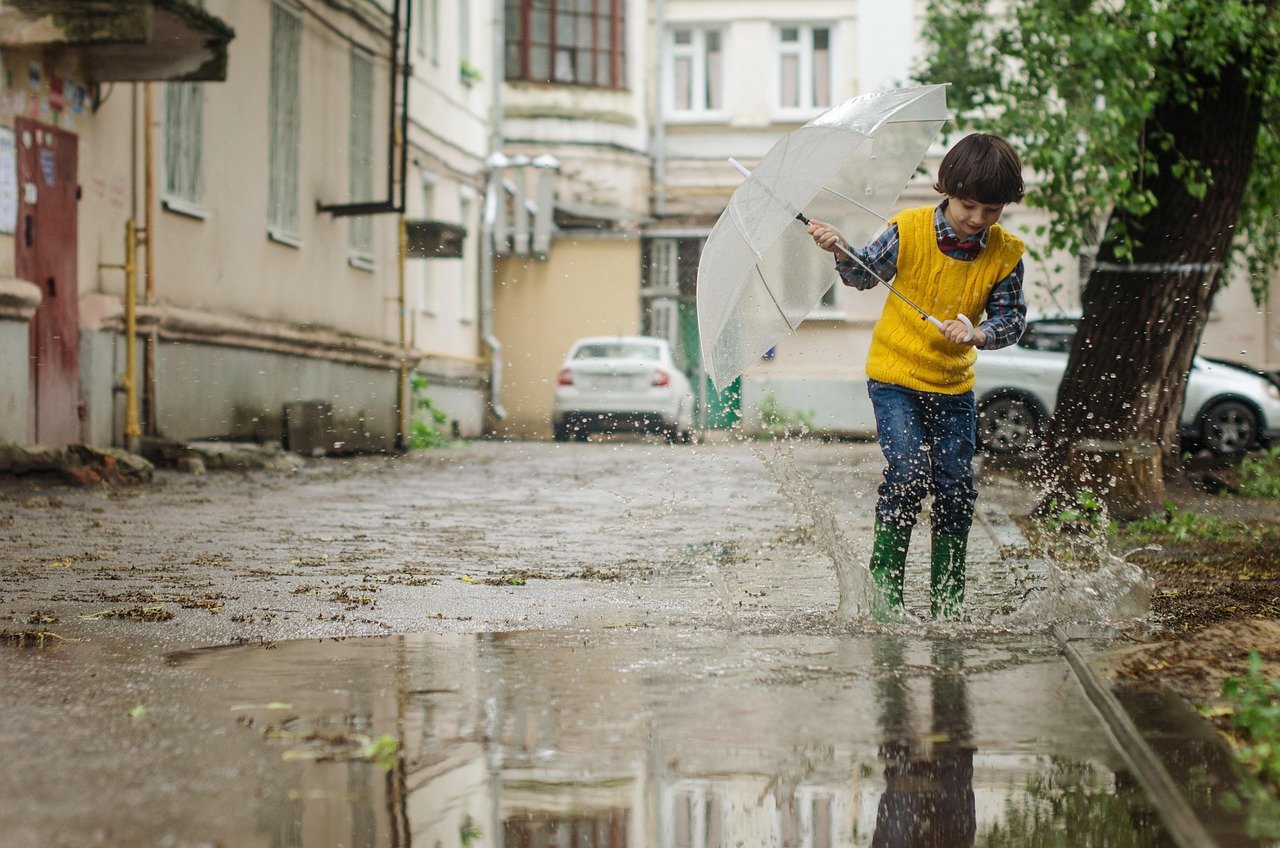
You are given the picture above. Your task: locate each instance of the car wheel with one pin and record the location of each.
(1008, 424)
(1229, 426)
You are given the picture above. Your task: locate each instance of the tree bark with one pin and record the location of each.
(1143, 318)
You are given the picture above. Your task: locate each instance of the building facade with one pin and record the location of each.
(267, 197)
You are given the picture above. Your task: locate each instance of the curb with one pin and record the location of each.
(1179, 819)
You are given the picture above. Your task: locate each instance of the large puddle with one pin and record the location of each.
(676, 739)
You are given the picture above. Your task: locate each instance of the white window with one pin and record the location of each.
(427, 280)
(464, 32)
(435, 31)
(695, 72)
(829, 300)
(360, 159)
(286, 125)
(694, 815)
(184, 147)
(467, 293)
(420, 26)
(803, 68)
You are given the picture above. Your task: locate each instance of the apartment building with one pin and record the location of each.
(266, 178)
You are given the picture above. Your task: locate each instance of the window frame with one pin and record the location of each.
(183, 190)
(520, 39)
(468, 295)
(284, 153)
(697, 55)
(806, 107)
(360, 233)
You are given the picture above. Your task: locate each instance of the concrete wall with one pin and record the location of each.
(208, 391)
(589, 286)
(15, 381)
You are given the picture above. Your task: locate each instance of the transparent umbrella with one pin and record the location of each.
(760, 273)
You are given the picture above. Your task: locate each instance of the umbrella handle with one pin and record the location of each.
(961, 317)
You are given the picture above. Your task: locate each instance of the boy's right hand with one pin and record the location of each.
(825, 236)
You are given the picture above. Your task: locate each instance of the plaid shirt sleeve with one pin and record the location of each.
(1006, 311)
(878, 259)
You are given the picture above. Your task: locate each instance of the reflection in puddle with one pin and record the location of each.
(670, 739)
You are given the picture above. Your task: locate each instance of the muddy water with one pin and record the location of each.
(673, 738)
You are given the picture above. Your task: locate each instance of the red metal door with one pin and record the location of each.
(45, 254)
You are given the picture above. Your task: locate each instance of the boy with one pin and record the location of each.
(949, 259)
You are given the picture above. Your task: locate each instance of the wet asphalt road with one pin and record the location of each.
(618, 638)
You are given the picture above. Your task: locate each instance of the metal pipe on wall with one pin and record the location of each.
(492, 197)
(404, 414)
(149, 270)
(132, 431)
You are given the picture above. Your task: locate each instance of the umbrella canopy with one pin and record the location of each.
(760, 274)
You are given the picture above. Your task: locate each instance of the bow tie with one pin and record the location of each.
(947, 244)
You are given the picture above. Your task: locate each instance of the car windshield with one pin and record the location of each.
(617, 350)
(1054, 336)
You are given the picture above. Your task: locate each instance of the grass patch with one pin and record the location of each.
(1260, 475)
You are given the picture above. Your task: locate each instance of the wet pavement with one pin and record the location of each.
(612, 644)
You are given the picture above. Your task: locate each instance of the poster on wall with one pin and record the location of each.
(8, 182)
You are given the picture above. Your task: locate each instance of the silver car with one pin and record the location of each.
(613, 383)
(1228, 408)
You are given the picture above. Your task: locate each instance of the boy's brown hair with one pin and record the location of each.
(981, 167)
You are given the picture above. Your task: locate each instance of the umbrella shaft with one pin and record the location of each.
(925, 315)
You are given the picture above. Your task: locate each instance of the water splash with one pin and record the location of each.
(1079, 583)
(1098, 588)
(852, 576)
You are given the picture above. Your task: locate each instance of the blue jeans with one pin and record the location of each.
(928, 442)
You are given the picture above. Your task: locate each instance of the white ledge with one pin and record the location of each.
(19, 299)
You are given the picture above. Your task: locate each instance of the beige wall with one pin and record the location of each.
(226, 262)
(590, 285)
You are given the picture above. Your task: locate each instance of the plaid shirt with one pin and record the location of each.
(1006, 306)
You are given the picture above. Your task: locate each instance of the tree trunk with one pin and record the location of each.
(1143, 319)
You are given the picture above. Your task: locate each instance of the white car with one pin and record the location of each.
(613, 383)
(1228, 408)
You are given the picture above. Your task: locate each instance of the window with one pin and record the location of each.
(695, 816)
(566, 41)
(360, 159)
(464, 33)
(830, 302)
(427, 282)
(467, 294)
(804, 68)
(286, 125)
(695, 71)
(184, 147)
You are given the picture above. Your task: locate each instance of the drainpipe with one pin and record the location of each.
(659, 135)
(131, 429)
(402, 381)
(129, 379)
(149, 240)
(492, 196)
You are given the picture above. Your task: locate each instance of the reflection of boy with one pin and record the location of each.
(928, 801)
(951, 259)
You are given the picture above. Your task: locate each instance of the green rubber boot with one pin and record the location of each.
(888, 567)
(946, 585)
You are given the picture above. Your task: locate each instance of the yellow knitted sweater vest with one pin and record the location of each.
(909, 351)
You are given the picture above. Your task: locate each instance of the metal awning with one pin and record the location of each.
(124, 40)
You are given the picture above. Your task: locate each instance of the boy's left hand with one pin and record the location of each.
(955, 331)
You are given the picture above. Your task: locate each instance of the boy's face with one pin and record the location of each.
(968, 217)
